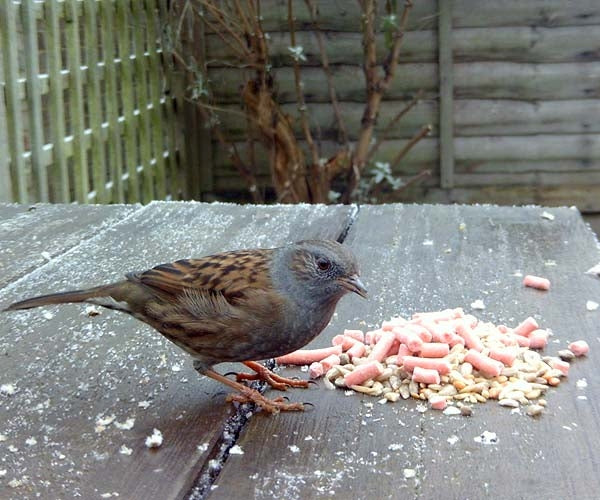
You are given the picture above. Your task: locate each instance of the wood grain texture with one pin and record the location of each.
(69, 368)
(349, 455)
(30, 235)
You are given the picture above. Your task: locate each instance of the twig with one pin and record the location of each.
(425, 130)
(327, 70)
(316, 180)
(383, 135)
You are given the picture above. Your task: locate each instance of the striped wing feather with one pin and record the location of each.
(230, 273)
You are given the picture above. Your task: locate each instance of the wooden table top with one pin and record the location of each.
(72, 372)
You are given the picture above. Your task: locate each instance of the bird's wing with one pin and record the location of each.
(227, 273)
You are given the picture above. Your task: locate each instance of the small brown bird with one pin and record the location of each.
(245, 305)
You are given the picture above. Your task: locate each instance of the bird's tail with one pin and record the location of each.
(101, 295)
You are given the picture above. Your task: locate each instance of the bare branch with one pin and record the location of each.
(383, 135)
(327, 70)
(425, 130)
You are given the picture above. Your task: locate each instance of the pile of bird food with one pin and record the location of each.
(443, 357)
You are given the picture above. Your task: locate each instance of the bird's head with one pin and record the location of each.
(324, 269)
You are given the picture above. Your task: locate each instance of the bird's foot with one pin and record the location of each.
(276, 405)
(276, 381)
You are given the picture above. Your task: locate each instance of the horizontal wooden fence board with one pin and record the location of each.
(484, 80)
(344, 16)
(526, 44)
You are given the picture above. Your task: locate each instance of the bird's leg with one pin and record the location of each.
(249, 395)
(276, 381)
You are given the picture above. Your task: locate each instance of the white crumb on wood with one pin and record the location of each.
(581, 383)
(452, 410)
(46, 255)
(31, 441)
(144, 404)
(547, 215)
(105, 421)
(125, 426)
(478, 304)
(395, 446)
(486, 437)
(409, 473)
(202, 447)
(427, 243)
(47, 315)
(453, 439)
(236, 449)
(293, 448)
(176, 368)
(92, 310)
(7, 389)
(3, 472)
(124, 450)
(154, 440)
(590, 305)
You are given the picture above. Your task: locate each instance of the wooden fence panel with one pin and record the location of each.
(83, 113)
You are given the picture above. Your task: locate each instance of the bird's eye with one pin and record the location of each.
(323, 264)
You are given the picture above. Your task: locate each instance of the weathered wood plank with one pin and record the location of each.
(484, 80)
(472, 117)
(59, 174)
(489, 117)
(96, 112)
(140, 84)
(584, 196)
(343, 16)
(79, 164)
(446, 83)
(114, 140)
(78, 368)
(14, 123)
(130, 176)
(30, 236)
(348, 455)
(34, 101)
(321, 118)
(526, 44)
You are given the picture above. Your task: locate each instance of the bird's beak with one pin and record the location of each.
(353, 284)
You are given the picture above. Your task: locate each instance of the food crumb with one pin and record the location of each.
(92, 311)
(478, 304)
(293, 448)
(590, 305)
(155, 440)
(128, 424)
(144, 404)
(581, 383)
(453, 439)
(124, 450)
(7, 389)
(452, 410)
(547, 215)
(3, 472)
(427, 243)
(31, 441)
(236, 449)
(395, 446)
(202, 447)
(409, 473)
(486, 437)
(15, 483)
(176, 367)
(47, 315)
